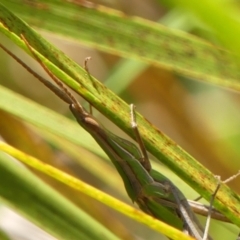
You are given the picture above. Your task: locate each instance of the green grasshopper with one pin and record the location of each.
(153, 192)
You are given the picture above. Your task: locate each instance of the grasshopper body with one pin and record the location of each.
(153, 192)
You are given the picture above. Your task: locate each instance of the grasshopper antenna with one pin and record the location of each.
(48, 84)
(69, 98)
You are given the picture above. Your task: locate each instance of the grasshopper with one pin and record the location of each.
(153, 192)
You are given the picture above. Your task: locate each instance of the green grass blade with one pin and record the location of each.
(135, 38)
(87, 189)
(21, 107)
(44, 206)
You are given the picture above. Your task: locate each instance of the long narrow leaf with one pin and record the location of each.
(28, 195)
(135, 38)
(100, 196)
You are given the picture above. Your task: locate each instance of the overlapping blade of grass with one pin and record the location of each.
(135, 38)
(20, 106)
(30, 196)
(74, 183)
